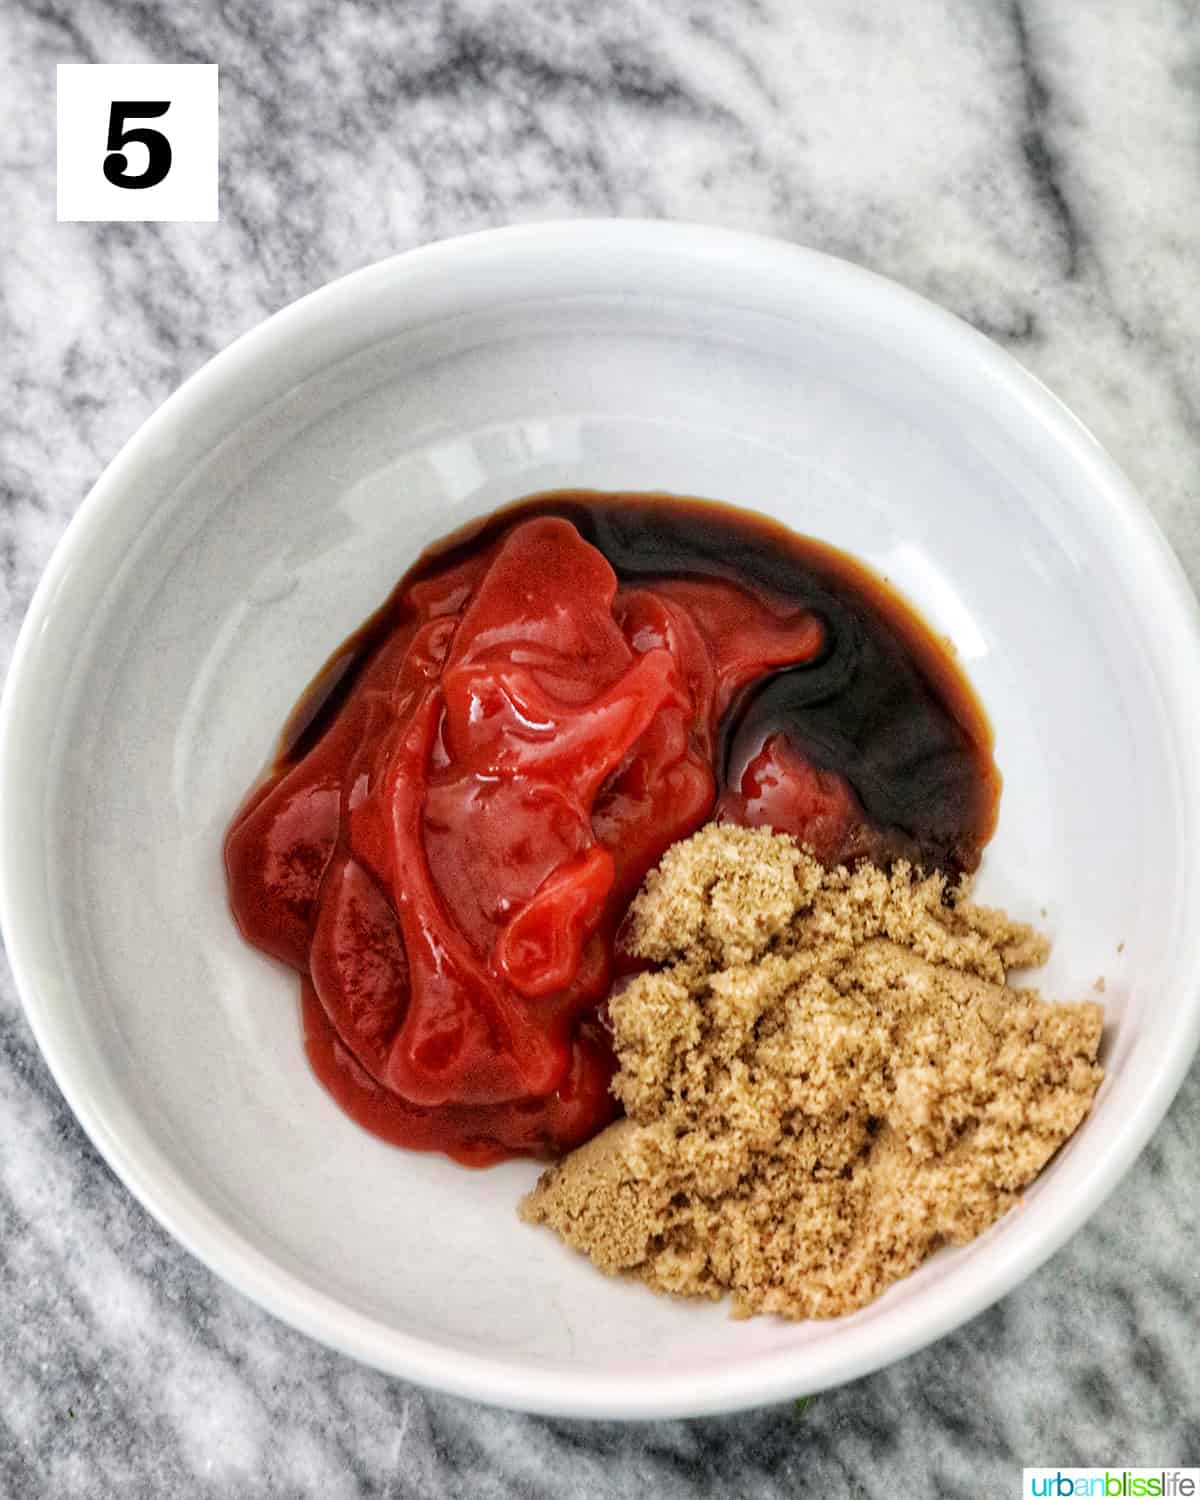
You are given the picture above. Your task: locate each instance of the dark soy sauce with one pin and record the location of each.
(884, 705)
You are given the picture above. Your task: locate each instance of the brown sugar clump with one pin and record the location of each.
(827, 1079)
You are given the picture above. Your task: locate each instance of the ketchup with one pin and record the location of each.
(475, 787)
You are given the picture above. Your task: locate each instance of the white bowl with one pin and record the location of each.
(269, 506)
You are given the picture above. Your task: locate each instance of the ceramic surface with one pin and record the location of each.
(269, 506)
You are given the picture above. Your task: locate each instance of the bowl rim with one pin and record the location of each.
(755, 1380)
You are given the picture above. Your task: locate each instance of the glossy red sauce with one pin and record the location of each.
(475, 787)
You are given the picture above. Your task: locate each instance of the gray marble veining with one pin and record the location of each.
(1035, 166)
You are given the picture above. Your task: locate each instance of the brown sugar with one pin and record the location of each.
(827, 1078)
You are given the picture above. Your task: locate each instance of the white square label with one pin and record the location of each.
(137, 141)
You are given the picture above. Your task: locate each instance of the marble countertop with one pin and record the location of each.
(1033, 166)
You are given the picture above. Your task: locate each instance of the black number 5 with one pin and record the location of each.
(158, 148)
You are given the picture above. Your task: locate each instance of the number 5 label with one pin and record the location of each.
(137, 141)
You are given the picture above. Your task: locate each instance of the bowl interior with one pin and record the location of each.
(274, 505)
